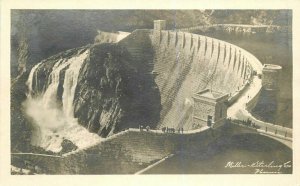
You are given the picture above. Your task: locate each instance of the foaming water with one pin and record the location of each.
(30, 79)
(52, 122)
(70, 82)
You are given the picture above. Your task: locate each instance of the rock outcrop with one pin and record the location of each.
(107, 95)
(112, 94)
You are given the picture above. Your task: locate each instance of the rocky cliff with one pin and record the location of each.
(98, 86)
(112, 95)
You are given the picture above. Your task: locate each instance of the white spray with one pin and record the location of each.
(53, 122)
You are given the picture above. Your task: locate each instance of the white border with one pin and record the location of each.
(145, 180)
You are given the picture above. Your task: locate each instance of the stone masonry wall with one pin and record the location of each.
(125, 153)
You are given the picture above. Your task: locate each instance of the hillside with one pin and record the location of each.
(38, 34)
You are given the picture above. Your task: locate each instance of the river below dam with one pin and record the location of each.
(240, 154)
(247, 154)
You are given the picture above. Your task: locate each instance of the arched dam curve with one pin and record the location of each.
(185, 63)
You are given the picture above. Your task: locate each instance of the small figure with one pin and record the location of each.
(171, 130)
(147, 128)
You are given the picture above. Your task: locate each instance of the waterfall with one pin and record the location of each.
(54, 122)
(49, 97)
(70, 82)
(29, 82)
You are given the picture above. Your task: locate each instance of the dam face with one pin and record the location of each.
(184, 64)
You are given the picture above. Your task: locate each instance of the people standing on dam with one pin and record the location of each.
(169, 130)
(180, 130)
(141, 127)
(148, 128)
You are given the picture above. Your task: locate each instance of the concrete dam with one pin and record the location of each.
(183, 64)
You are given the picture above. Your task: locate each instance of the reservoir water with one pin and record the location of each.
(269, 48)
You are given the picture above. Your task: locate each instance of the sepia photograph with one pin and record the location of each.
(151, 91)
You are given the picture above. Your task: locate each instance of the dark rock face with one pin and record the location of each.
(67, 146)
(20, 131)
(110, 96)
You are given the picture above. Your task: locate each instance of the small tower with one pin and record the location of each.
(270, 76)
(159, 24)
(210, 108)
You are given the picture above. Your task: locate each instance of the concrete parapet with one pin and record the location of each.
(239, 28)
(125, 153)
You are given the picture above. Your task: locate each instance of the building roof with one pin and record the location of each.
(271, 67)
(213, 95)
